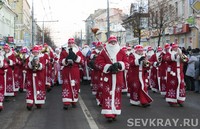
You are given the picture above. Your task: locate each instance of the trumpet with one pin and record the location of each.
(182, 55)
(146, 63)
(45, 50)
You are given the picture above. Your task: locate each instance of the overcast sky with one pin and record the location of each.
(70, 14)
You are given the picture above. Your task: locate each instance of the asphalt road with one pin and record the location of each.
(87, 114)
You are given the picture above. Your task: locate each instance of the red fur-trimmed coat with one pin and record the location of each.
(112, 83)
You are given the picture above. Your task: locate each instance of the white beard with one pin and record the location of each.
(149, 54)
(85, 51)
(112, 50)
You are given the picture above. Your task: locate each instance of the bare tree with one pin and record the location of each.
(138, 14)
(162, 15)
(48, 39)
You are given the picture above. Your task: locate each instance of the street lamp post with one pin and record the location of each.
(108, 20)
(43, 28)
(1, 4)
(32, 22)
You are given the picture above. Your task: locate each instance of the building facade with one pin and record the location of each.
(183, 29)
(23, 22)
(99, 20)
(7, 23)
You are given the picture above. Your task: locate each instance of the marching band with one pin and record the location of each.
(112, 70)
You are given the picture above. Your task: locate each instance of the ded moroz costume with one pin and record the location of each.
(112, 61)
(138, 89)
(70, 59)
(175, 88)
(35, 93)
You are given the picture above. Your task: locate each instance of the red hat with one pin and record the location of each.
(167, 46)
(159, 49)
(6, 46)
(112, 38)
(139, 48)
(85, 45)
(149, 48)
(174, 45)
(124, 48)
(40, 47)
(36, 48)
(45, 45)
(128, 47)
(98, 44)
(71, 41)
(23, 50)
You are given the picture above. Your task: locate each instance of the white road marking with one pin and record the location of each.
(87, 114)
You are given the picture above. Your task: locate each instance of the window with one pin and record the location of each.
(176, 7)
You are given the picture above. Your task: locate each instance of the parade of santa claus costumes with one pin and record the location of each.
(112, 70)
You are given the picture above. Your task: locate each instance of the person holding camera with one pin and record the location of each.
(112, 61)
(70, 58)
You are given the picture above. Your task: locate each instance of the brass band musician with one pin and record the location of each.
(36, 94)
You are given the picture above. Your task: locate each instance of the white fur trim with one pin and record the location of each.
(124, 90)
(92, 56)
(163, 93)
(128, 94)
(63, 62)
(106, 111)
(9, 94)
(39, 101)
(173, 56)
(29, 101)
(171, 100)
(1, 61)
(29, 65)
(136, 62)
(86, 78)
(137, 57)
(182, 98)
(105, 69)
(78, 60)
(154, 89)
(134, 102)
(94, 92)
(9, 53)
(40, 68)
(11, 62)
(98, 102)
(1, 104)
(123, 65)
(154, 64)
(69, 100)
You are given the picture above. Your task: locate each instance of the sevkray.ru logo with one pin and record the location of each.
(160, 122)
